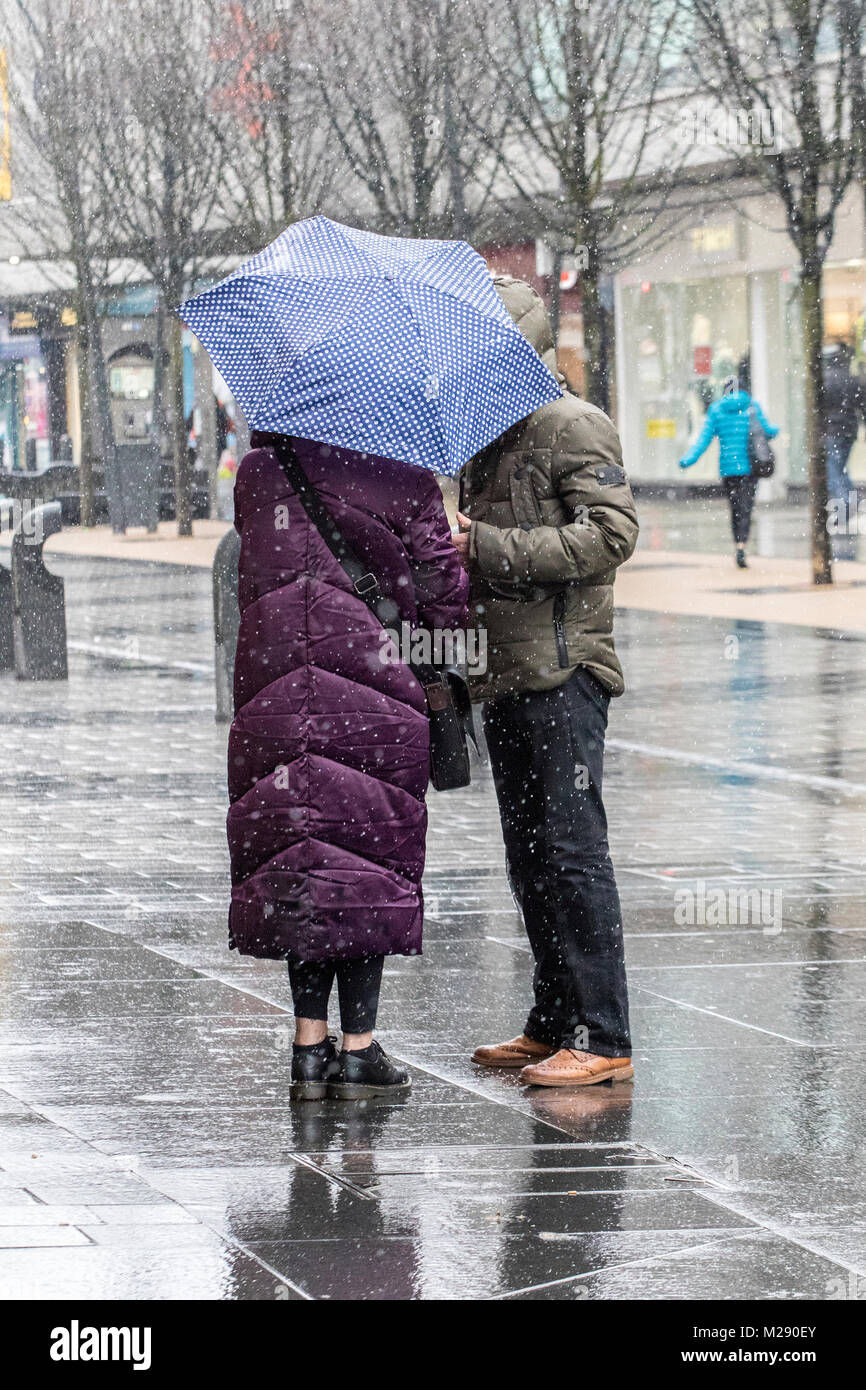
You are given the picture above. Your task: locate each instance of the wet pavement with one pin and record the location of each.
(147, 1149)
(699, 523)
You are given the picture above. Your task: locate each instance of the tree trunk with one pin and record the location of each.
(813, 333)
(555, 297)
(99, 395)
(179, 432)
(100, 400)
(87, 502)
(287, 166)
(450, 133)
(157, 416)
(592, 311)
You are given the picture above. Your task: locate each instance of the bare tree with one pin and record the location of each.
(64, 212)
(408, 106)
(280, 163)
(789, 61)
(163, 166)
(587, 151)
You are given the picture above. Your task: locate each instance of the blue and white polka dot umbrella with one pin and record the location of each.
(385, 345)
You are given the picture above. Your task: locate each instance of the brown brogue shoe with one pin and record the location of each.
(515, 1053)
(568, 1067)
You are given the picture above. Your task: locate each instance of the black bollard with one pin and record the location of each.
(226, 621)
(39, 609)
(7, 650)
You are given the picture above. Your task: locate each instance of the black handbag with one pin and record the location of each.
(762, 460)
(449, 707)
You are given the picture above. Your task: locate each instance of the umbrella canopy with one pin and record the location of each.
(385, 345)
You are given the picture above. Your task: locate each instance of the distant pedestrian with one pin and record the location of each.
(224, 427)
(728, 421)
(844, 408)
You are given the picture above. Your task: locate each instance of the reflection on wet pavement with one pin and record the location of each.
(147, 1149)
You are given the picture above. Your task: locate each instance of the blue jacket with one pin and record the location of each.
(729, 420)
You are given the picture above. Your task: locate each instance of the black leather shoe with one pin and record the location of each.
(312, 1068)
(361, 1075)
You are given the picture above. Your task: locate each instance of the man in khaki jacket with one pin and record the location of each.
(546, 518)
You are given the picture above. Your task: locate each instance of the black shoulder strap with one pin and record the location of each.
(364, 582)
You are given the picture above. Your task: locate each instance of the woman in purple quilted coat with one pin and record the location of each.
(328, 757)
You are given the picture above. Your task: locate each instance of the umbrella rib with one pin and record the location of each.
(429, 255)
(338, 226)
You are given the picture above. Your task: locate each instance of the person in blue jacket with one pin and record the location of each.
(728, 421)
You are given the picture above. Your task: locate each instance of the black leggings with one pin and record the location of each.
(358, 985)
(741, 495)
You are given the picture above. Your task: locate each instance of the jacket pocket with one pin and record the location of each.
(524, 503)
(559, 630)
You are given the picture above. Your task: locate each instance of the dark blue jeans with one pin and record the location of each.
(547, 754)
(839, 483)
(741, 498)
(841, 488)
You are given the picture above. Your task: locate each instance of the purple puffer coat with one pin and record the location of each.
(328, 757)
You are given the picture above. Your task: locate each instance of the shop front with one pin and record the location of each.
(714, 305)
(679, 340)
(24, 426)
(845, 322)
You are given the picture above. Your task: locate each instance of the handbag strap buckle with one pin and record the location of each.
(438, 695)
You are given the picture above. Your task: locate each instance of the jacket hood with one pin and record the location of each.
(526, 307)
(737, 400)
